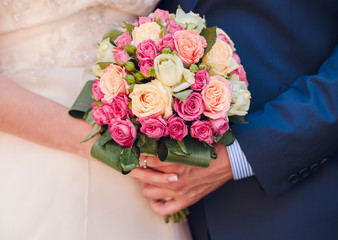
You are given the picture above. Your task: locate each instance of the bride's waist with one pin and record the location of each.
(61, 84)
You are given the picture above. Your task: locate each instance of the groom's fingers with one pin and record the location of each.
(154, 192)
(153, 177)
(166, 208)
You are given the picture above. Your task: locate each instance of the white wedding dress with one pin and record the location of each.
(49, 46)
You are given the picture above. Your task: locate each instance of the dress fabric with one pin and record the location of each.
(48, 47)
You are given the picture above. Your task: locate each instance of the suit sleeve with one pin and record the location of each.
(294, 134)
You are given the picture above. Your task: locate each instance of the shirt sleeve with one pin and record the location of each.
(240, 166)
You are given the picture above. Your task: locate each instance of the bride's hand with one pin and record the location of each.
(192, 183)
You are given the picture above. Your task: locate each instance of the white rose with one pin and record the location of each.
(168, 69)
(188, 78)
(241, 96)
(104, 54)
(150, 30)
(191, 21)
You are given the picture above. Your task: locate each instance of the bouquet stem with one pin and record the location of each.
(179, 216)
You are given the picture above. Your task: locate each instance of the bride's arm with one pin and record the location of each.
(41, 120)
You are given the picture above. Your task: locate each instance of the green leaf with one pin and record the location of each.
(213, 153)
(109, 153)
(129, 27)
(210, 36)
(103, 65)
(183, 95)
(147, 145)
(130, 158)
(217, 138)
(238, 119)
(95, 130)
(112, 35)
(82, 104)
(106, 137)
(228, 138)
(89, 118)
(170, 151)
(183, 147)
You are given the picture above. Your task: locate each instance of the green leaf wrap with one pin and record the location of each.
(108, 152)
(82, 104)
(170, 151)
(130, 158)
(147, 145)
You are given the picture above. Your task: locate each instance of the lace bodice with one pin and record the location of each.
(42, 34)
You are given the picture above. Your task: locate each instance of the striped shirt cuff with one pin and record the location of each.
(240, 166)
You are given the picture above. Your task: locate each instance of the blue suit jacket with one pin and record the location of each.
(289, 50)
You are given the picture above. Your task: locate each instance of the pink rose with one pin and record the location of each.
(142, 20)
(97, 93)
(103, 114)
(192, 108)
(120, 106)
(122, 40)
(145, 65)
(219, 126)
(161, 14)
(222, 37)
(241, 74)
(202, 131)
(217, 97)
(147, 50)
(177, 128)
(190, 46)
(237, 58)
(112, 82)
(173, 27)
(154, 127)
(121, 56)
(166, 41)
(122, 132)
(202, 79)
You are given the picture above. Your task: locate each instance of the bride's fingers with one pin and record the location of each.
(153, 177)
(151, 161)
(153, 192)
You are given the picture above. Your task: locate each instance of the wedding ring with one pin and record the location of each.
(145, 163)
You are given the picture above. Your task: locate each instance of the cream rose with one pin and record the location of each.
(241, 97)
(168, 69)
(188, 79)
(151, 99)
(220, 58)
(191, 21)
(220, 31)
(104, 54)
(112, 82)
(150, 30)
(217, 97)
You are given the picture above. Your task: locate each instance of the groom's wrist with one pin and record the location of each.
(239, 164)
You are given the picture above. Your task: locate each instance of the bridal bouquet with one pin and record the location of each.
(167, 85)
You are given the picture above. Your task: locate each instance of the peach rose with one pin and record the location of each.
(151, 99)
(190, 46)
(150, 30)
(112, 82)
(217, 97)
(220, 59)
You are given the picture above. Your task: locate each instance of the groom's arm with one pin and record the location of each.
(296, 133)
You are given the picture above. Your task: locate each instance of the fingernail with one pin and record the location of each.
(173, 179)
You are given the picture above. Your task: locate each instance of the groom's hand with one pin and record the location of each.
(169, 194)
